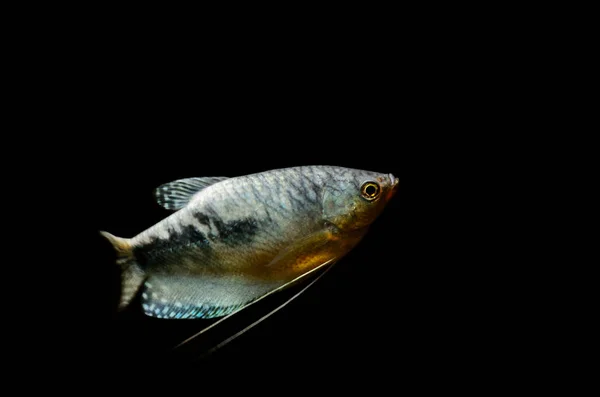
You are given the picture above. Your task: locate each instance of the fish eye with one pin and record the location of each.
(370, 190)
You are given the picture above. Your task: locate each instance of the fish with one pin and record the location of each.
(230, 241)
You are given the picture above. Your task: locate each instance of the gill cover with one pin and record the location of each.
(339, 208)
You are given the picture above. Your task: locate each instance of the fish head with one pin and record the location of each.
(354, 199)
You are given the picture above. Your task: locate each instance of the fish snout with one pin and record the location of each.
(393, 181)
(393, 184)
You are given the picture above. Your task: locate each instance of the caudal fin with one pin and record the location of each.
(132, 276)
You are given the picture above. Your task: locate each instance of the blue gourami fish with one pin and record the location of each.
(234, 240)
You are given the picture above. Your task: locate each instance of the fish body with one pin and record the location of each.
(233, 240)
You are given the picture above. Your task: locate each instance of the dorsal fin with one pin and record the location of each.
(175, 195)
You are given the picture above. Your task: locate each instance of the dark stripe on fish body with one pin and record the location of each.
(159, 248)
(298, 203)
(267, 201)
(212, 220)
(192, 236)
(313, 185)
(202, 218)
(325, 174)
(311, 178)
(299, 194)
(287, 188)
(253, 189)
(240, 231)
(236, 232)
(304, 190)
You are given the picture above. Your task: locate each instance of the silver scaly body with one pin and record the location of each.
(239, 238)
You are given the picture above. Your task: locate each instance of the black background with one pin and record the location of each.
(408, 294)
(450, 289)
(416, 296)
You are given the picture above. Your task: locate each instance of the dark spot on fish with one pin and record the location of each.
(178, 244)
(239, 231)
(192, 236)
(236, 232)
(202, 218)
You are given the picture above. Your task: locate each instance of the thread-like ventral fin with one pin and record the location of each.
(175, 195)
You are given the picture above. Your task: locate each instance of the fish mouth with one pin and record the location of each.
(393, 181)
(393, 186)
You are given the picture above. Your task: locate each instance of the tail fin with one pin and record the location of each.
(132, 276)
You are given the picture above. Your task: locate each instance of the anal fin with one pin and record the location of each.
(188, 297)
